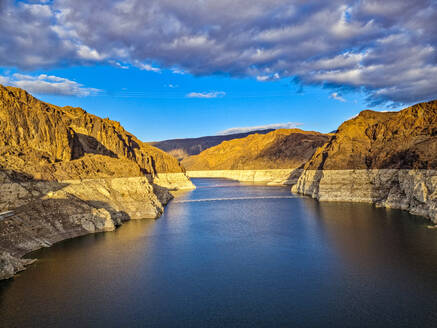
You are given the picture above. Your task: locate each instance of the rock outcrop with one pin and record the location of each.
(387, 158)
(279, 149)
(65, 173)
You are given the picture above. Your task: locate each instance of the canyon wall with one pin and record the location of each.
(411, 190)
(66, 173)
(386, 158)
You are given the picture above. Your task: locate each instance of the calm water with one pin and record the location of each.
(271, 262)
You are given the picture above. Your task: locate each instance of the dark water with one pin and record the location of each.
(241, 263)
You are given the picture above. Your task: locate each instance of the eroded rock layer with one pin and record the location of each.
(269, 177)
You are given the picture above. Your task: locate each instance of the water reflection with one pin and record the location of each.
(376, 239)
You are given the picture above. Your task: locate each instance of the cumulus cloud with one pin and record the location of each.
(206, 95)
(288, 125)
(337, 96)
(387, 48)
(48, 85)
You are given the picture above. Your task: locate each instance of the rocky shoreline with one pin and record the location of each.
(412, 190)
(42, 213)
(269, 177)
(65, 173)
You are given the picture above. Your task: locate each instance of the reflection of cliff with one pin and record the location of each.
(66, 173)
(386, 158)
(371, 241)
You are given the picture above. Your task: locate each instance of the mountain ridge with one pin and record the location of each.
(184, 147)
(36, 136)
(278, 149)
(406, 139)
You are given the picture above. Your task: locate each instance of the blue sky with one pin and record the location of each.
(174, 69)
(155, 106)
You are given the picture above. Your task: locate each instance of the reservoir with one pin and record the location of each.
(237, 255)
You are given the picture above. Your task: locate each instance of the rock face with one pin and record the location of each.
(65, 173)
(386, 158)
(34, 135)
(279, 149)
(10, 265)
(182, 148)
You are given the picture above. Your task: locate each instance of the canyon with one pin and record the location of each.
(66, 173)
(385, 158)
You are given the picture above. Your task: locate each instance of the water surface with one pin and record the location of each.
(246, 262)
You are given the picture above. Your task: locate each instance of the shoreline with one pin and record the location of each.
(278, 177)
(42, 213)
(145, 197)
(412, 190)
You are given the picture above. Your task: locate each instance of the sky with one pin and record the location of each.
(174, 69)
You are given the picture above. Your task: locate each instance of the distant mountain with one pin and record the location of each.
(283, 148)
(182, 148)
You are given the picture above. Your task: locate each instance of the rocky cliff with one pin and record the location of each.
(279, 149)
(34, 132)
(66, 173)
(389, 158)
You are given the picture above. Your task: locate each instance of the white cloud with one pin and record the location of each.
(206, 95)
(89, 54)
(48, 85)
(337, 96)
(288, 125)
(264, 78)
(178, 71)
(147, 67)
